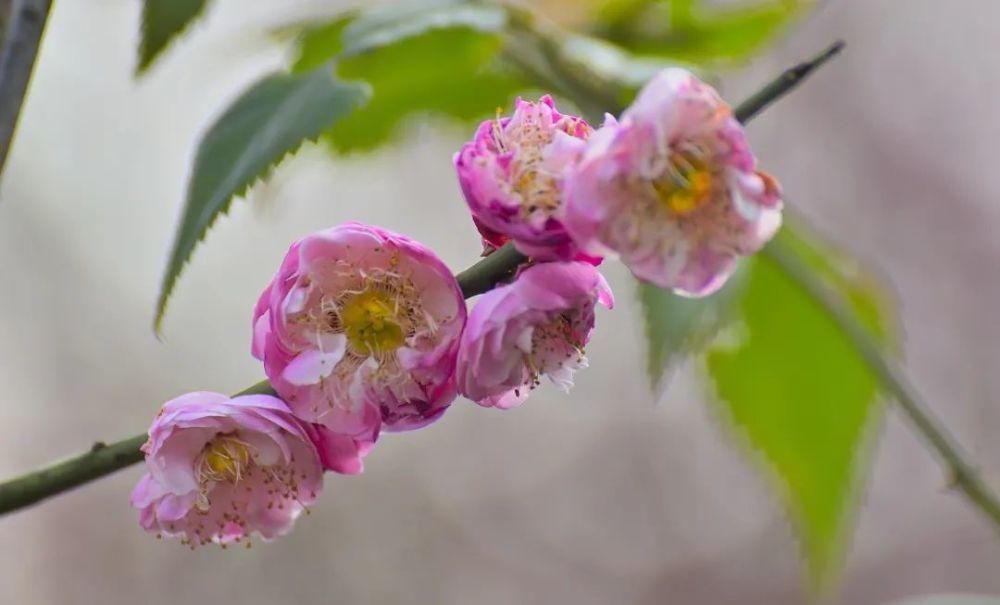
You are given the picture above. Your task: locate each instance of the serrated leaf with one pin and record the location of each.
(796, 388)
(162, 21)
(270, 120)
(387, 25)
(676, 326)
(450, 72)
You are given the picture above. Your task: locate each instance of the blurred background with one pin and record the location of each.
(609, 495)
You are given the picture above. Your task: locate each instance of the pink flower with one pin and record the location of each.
(359, 331)
(511, 175)
(673, 188)
(219, 469)
(539, 324)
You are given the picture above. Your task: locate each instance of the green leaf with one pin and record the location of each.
(162, 21)
(676, 326)
(269, 121)
(795, 387)
(682, 12)
(695, 31)
(450, 72)
(619, 19)
(320, 44)
(613, 64)
(387, 25)
(862, 289)
(733, 35)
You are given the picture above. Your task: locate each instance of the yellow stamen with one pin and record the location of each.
(684, 188)
(225, 458)
(370, 323)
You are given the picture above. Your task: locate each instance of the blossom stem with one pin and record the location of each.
(101, 460)
(485, 274)
(104, 459)
(964, 475)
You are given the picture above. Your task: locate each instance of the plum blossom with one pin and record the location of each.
(511, 175)
(359, 331)
(673, 188)
(537, 325)
(221, 469)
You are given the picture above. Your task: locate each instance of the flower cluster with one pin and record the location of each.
(363, 330)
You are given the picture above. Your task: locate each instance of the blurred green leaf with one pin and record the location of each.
(162, 21)
(616, 19)
(451, 72)
(682, 12)
(320, 44)
(799, 392)
(269, 121)
(677, 326)
(731, 36)
(863, 290)
(612, 63)
(387, 25)
(695, 31)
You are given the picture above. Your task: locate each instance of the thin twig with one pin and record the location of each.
(784, 83)
(22, 24)
(102, 460)
(99, 461)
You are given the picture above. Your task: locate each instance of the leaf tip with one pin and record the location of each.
(162, 21)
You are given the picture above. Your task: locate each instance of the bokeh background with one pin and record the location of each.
(609, 495)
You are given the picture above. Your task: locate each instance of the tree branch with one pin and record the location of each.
(103, 459)
(99, 461)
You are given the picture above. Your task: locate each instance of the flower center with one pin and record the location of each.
(526, 141)
(369, 320)
(685, 186)
(553, 344)
(224, 459)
